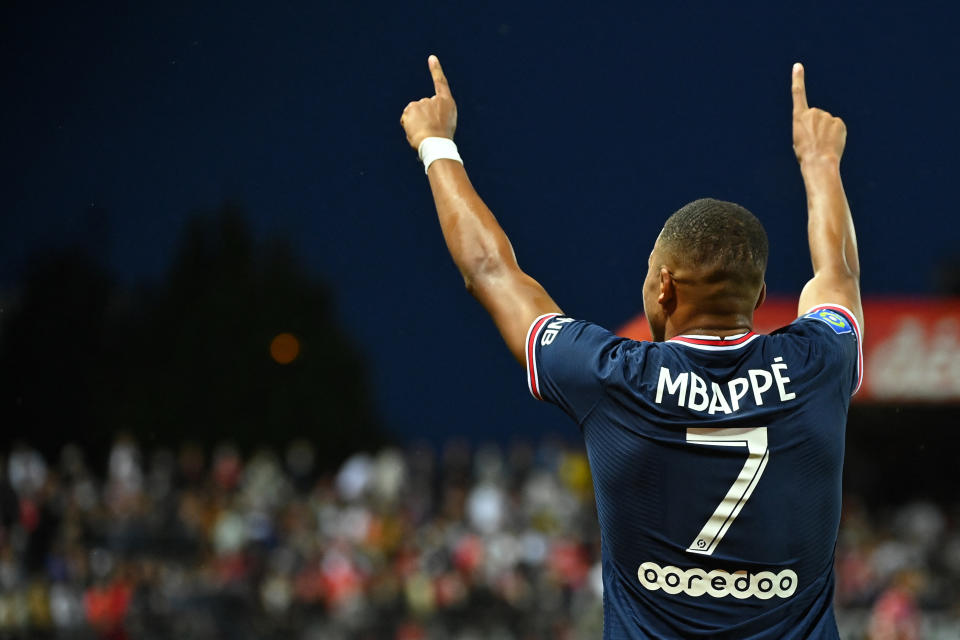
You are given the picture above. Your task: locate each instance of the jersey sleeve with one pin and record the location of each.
(836, 329)
(569, 362)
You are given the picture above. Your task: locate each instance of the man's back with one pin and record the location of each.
(717, 470)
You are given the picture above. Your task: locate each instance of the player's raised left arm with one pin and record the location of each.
(477, 243)
(818, 141)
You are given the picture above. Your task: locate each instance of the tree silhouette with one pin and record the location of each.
(190, 359)
(52, 375)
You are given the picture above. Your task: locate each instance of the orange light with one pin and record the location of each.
(284, 348)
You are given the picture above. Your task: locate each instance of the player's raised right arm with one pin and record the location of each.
(477, 243)
(818, 141)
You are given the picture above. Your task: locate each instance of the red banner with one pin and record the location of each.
(911, 348)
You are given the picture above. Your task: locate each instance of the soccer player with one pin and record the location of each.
(716, 452)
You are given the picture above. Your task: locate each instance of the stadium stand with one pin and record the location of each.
(457, 544)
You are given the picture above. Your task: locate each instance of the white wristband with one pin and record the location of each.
(437, 149)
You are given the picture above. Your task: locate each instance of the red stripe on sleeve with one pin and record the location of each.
(533, 382)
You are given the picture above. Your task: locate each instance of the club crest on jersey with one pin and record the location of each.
(834, 320)
(552, 330)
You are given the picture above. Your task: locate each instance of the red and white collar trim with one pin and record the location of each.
(716, 343)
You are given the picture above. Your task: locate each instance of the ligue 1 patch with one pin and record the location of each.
(837, 322)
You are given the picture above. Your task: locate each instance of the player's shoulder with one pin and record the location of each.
(829, 334)
(571, 362)
(558, 331)
(837, 318)
(824, 323)
(583, 347)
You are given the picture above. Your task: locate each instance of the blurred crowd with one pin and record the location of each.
(454, 543)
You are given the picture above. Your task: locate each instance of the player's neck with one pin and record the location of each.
(704, 324)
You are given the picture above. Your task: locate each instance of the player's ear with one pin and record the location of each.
(667, 298)
(762, 297)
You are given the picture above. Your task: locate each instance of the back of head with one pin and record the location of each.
(720, 241)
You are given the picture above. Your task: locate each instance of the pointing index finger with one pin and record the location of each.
(799, 90)
(440, 85)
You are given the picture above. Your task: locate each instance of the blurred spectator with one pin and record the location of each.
(895, 615)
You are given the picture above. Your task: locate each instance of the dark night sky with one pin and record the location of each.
(583, 128)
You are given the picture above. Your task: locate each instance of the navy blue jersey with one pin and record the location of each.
(717, 470)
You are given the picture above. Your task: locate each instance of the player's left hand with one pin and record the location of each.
(431, 117)
(817, 135)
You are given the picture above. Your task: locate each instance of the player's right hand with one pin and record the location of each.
(431, 117)
(817, 135)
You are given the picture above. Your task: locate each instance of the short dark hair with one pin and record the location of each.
(718, 234)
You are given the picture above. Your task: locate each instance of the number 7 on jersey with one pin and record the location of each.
(755, 440)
